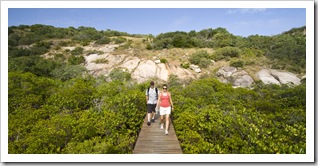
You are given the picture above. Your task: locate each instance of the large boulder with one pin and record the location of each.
(180, 72)
(270, 76)
(238, 78)
(149, 69)
(226, 71)
(130, 63)
(285, 77)
(265, 76)
(144, 70)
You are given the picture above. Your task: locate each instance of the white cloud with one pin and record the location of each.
(246, 11)
(258, 23)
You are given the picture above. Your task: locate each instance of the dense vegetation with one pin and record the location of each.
(55, 106)
(213, 118)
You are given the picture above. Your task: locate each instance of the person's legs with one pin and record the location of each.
(153, 113)
(162, 113)
(149, 113)
(168, 111)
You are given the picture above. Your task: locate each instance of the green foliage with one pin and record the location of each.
(224, 52)
(201, 58)
(213, 118)
(68, 72)
(119, 40)
(185, 65)
(33, 64)
(77, 51)
(163, 60)
(119, 75)
(104, 40)
(74, 117)
(76, 60)
(149, 47)
(101, 61)
(237, 63)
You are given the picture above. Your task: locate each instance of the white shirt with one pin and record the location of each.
(152, 96)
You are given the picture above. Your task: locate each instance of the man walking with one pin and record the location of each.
(152, 98)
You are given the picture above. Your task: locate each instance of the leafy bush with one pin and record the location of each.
(185, 65)
(104, 40)
(228, 51)
(201, 58)
(76, 60)
(163, 60)
(218, 119)
(237, 63)
(77, 51)
(119, 40)
(119, 75)
(68, 72)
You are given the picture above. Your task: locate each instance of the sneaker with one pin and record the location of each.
(148, 123)
(161, 127)
(166, 132)
(153, 120)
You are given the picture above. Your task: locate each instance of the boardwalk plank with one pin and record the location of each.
(152, 140)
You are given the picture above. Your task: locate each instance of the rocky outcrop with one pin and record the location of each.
(285, 77)
(196, 68)
(242, 79)
(238, 78)
(146, 69)
(130, 63)
(270, 76)
(142, 69)
(265, 76)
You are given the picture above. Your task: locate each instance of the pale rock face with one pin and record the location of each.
(94, 57)
(244, 81)
(285, 77)
(162, 72)
(265, 76)
(270, 76)
(157, 61)
(180, 72)
(237, 78)
(130, 64)
(146, 69)
(195, 68)
(115, 59)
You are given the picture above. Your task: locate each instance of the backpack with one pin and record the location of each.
(156, 92)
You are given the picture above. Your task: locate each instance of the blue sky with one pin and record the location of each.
(238, 21)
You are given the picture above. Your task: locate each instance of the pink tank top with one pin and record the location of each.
(165, 100)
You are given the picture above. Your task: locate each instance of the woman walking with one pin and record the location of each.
(165, 103)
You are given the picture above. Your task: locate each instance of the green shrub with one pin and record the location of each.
(101, 61)
(227, 52)
(237, 63)
(185, 65)
(119, 40)
(104, 40)
(200, 58)
(76, 60)
(119, 75)
(77, 51)
(163, 60)
(149, 47)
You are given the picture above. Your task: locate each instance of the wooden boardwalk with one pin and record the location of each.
(152, 140)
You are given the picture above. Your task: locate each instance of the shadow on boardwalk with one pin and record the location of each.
(152, 140)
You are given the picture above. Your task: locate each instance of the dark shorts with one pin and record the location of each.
(151, 108)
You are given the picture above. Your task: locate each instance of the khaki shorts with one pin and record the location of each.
(165, 110)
